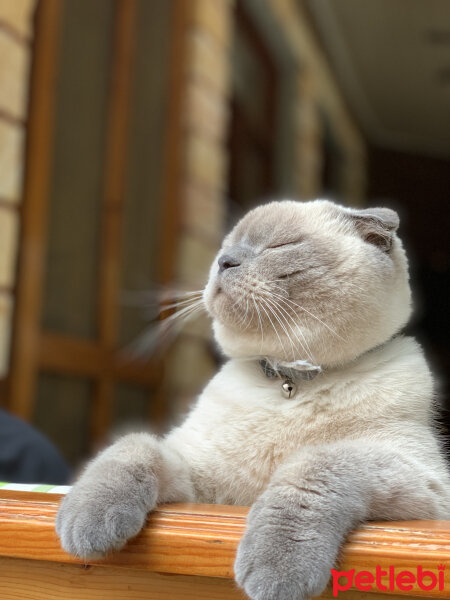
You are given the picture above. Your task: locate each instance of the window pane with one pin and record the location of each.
(143, 191)
(70, 290)
(62, 414)
(131, 407)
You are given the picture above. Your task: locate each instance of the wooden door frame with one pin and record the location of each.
(38, 158)
(32, 349)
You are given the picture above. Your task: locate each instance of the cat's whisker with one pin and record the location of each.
(282, 289)
(156, 297)
(313, 316)
(185, 294)
(260, 322)
(176, 320)
(295, 322)
(163, 331)
(293, 329)
(181, 303)
(236, 308)
(290, 303)
(248, 316)
(247, 320)
(186, 309)
(274, 328)
(278, 316)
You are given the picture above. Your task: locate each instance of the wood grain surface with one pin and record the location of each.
(38, 580)
(193, 540)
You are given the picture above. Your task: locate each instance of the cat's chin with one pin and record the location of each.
(217, 304)
(214, 298)
(223, 309)
(238, 342)
(329, 353)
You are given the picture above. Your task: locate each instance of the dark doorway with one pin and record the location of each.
(419, 188)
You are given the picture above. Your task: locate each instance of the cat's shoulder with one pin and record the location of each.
(398, 368)
(400, 352)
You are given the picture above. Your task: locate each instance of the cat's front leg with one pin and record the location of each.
(109, 503)
(297, 526)
(289, 546)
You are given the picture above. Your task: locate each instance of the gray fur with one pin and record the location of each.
(113, 497)
(297, 526)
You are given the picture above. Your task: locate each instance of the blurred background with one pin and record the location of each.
(133, 134)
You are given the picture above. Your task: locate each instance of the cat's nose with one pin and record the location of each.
(226, 261)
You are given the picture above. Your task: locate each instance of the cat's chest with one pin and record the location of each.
(243, 431)
(263, 417)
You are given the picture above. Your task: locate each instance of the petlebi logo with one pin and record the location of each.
(394, 579)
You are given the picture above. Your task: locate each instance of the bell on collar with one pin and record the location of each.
(288, 388)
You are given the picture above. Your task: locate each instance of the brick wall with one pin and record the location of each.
(205, 119)
(205, 127)
(15, 40)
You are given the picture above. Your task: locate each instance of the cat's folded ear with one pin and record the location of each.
(376, 226)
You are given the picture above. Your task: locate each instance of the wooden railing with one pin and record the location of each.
(187, 551)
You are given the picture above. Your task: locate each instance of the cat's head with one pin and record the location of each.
(309, 281)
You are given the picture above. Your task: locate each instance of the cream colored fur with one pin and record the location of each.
(298, 281)
(241, 428)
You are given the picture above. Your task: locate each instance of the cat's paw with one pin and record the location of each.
(98, 517)
(281, 558)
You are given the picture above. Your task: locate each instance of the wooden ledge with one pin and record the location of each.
(201, 539)
(191, 539)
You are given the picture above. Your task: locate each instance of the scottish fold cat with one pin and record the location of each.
(321, 419)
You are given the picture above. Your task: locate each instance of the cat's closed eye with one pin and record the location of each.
(292, 273)
(283, 244)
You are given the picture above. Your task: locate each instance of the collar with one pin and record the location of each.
(295, 371)
(290, 373)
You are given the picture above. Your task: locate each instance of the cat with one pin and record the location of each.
(321, 419)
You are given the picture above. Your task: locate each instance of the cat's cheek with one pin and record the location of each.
(224, 309)
(218, 303)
